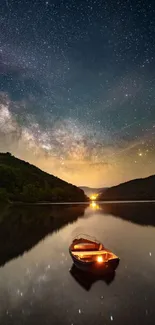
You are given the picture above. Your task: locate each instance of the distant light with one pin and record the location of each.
(111, 318)
(79, 311)
(93, 197)
(100, 259)
(140, 154)
(150, 254)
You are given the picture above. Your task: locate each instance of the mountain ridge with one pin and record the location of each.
(90, 190)
(135, 189)
(22, 182)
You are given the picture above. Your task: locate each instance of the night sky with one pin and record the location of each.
(77, 87)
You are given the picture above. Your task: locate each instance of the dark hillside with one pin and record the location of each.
(21, 181)
(137, 189)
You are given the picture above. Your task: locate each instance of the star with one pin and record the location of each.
(72, 87)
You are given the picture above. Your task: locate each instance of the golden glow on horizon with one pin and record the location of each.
(62, 150)
(93, 197)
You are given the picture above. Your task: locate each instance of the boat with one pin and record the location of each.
(90, 255)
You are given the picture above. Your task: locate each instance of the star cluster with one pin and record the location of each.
(77, 87)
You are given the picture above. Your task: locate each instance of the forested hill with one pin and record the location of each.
(21, 181)
(137, 189)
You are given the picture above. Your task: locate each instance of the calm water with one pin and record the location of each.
(38, 284)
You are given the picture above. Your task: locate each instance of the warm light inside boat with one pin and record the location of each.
(100, 259)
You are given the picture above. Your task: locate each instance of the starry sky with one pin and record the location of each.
(77, 87)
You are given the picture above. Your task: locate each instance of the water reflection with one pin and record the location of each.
(94, 206)
(22, 227)
(140, 213)
(37, 287)
(86, 280)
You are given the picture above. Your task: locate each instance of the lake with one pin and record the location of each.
(38, 284)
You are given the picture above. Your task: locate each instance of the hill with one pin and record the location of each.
(137, 189)
(89, 190)
(21, 181)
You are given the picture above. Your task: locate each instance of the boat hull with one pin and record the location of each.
(91, 256)
(93, 267)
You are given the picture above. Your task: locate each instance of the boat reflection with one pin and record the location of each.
(86, 279)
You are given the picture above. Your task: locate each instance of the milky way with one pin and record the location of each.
(77, 87)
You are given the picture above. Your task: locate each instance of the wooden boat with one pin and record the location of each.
(90, 255)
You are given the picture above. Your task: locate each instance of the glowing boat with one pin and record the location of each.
(90, 255)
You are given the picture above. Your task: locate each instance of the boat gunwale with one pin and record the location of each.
(86, 237)
(88, 264)
(79, 261)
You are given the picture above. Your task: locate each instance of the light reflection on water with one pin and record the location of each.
(38, 286)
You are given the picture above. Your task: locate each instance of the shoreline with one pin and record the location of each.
(82, 202)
